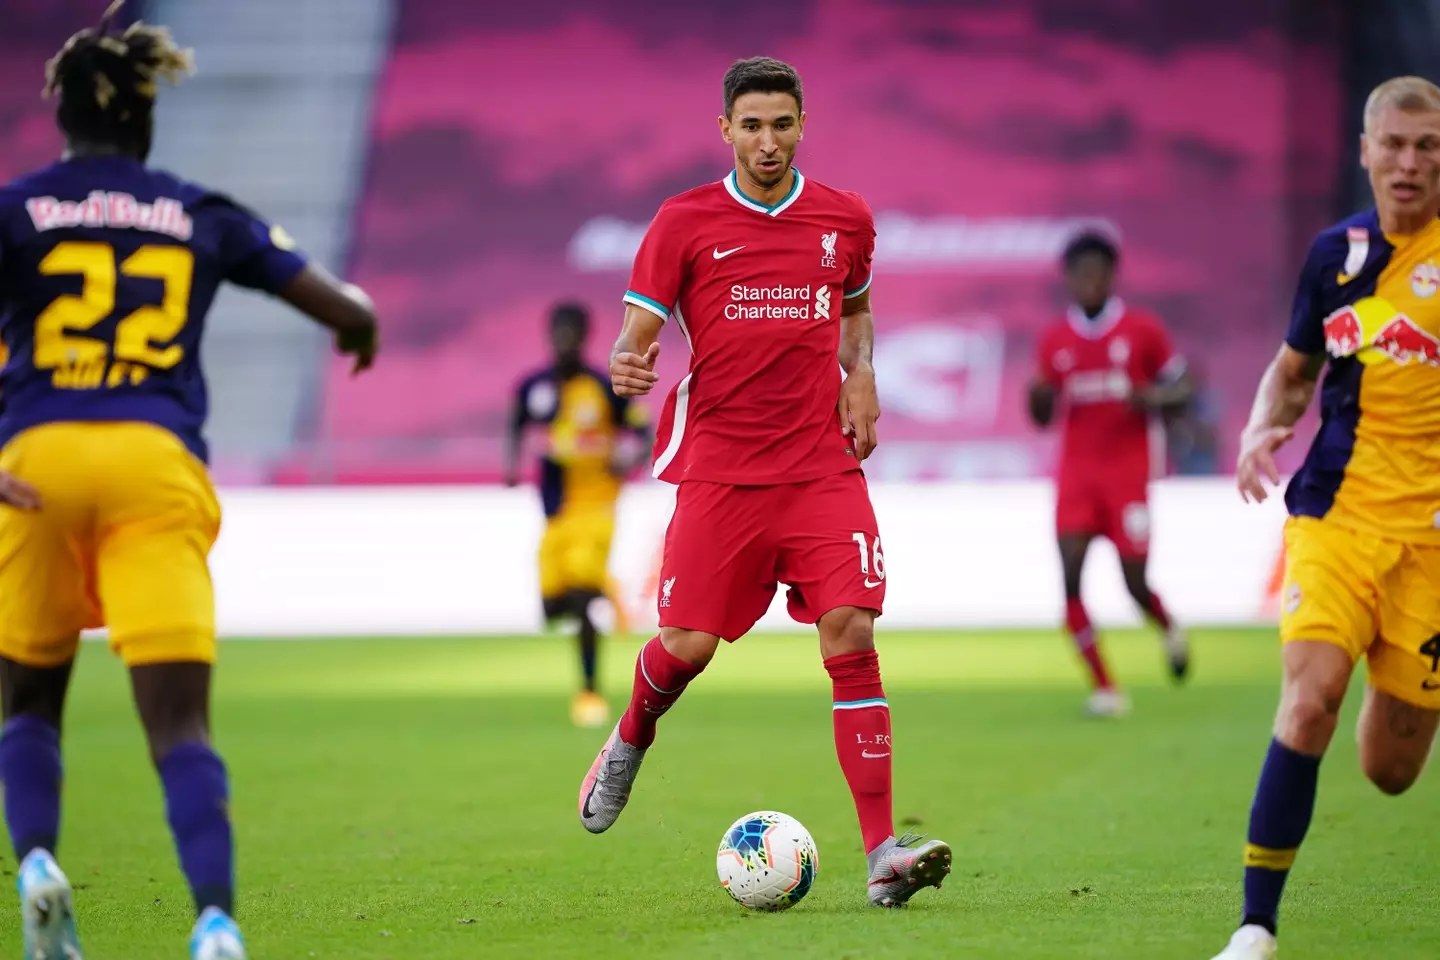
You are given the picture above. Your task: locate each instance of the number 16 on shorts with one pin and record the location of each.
(872, 561)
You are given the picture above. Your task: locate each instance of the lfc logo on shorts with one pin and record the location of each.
(827, 248)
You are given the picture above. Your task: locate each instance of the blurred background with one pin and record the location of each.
(471, 163)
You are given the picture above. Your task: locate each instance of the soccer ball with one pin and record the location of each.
(767, 861)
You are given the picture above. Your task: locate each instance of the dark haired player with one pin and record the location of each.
(1115, 370)
(107, 270)
(767, 275)
(581, 473)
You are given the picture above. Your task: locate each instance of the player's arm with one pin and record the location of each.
(1041, 399)
(658, 273)
(632, 359)
(1042, 396)
(343, 308)
(859, 405)
(1287, 386)
(514, 436)
(1168, 396)
(260, 256)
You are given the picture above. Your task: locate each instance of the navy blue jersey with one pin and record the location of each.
(583, 420)
(107, 270)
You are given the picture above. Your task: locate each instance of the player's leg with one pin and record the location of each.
(1402, 704)
(44, 604)
(1324, 632)
(1395, 738)
(716, 580)
(1106, 700)
(831, 557)
(156, 527)
(586, 571)
(1130, 532)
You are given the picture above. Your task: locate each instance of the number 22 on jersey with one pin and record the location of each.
(142, 338)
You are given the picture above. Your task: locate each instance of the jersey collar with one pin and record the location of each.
(1109, 315)
(732, 186)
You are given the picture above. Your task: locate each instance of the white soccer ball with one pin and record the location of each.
(767, 861)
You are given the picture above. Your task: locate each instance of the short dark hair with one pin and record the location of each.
(1087, 242)
(571, 314)
(107, 83)
(761, 75)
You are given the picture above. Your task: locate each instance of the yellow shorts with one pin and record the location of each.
(122, 539)
(1375, 597)
(575, 551)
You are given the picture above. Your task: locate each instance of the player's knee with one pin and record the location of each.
(847, 630)
(1392, 775)
(695, 647)
(1308, 715)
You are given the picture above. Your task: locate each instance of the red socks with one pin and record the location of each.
(660, 678)
(1078, 622)
(862, 741)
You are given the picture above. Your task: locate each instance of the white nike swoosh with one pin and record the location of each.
(874, 756)
(721, 256)
(872, 584)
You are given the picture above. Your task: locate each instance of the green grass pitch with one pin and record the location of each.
(416, 798)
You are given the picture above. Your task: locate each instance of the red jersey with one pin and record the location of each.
(1096, 364)
(757, 291)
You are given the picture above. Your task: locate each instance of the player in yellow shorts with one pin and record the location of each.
(581, 473)
(107, 270)
(1362, 576)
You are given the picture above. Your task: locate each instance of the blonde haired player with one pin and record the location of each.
(107, 270)
(1362, 574)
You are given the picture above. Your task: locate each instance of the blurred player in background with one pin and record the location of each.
(767, 275)
(107, 270)
(1362, 544)
(1115, 370)
(581, 472)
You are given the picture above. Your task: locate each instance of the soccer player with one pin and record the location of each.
(580, 477)
(1114, 367)
(1362, 542)
(767, 275)
(107, 270)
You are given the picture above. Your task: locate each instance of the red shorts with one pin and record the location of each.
(727, 547)
(1120, 512)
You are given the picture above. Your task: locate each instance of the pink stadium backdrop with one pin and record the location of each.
(520, 149)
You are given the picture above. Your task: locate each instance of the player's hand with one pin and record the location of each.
(631, 374)
(859, 408)
(18, 494)
(1257, 461)
(363, 345)
(1143, 398)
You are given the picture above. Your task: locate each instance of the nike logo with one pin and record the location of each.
(586, 812)
(1343, 278)
(721, 256)
(864, 753)
(872, 584)
(1428, 684)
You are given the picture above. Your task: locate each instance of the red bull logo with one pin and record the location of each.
(1403, 342)
(1344, 336)
(1347, 334)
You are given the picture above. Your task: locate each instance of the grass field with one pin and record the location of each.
(416, 798)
